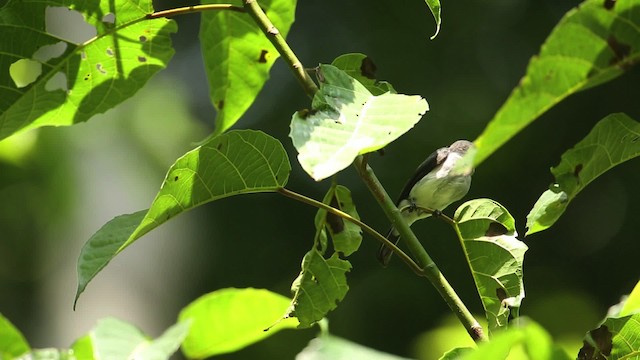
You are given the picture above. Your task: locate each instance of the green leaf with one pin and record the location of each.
(83, 348)
(346, 235)
(614, 140)
(332, 347)
(616, 338)
(238, 56)
(632, 303)
(77, 78)
(527, 342)
(116, 339)
(50, 354)
(227, 320)
(495, 257)
(12, 342)
(456, 354)
(434, 6)
(347, 120)
(592, 44)
(320, 285)
(238, 162)
(361, 67)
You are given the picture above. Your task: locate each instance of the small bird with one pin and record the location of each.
(439, 181)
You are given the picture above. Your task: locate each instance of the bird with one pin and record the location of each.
(439, 181)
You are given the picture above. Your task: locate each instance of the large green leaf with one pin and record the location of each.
(347, 120)
(238, 162)
(616, 338)
(227, 320)
(614, 140)
(47, 79)
(238, 56)
(495, 256)
(12, 342)
(592, 44)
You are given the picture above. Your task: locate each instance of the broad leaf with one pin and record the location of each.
(495, 256)
(592, 44)
(116, 339)
(49, 76)
(361, 67)
(347, 120)
(332, 347)
(631, 304)
(238, 56)
(238, 162)
(12, 342)
(614, 140)
(227, 320)
(320, 285)
(616, 338)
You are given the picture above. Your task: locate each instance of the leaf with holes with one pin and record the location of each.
(238, 56)
(594, 43)
(616, 338)
(346, 236)
(238, 162)
(320, 285)
(347, 120)
(495, 257)
(53, 76)
(362, 68)
(614, 140)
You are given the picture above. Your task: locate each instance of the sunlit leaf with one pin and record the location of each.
(495, 256)
(77, 77)
(347, 120)
(116, 339)
(238, 56)
(320, 285)
(238, 162)
(616, 338)
(526, 342)
(227, 320)
(332, 347)
(614, 140)
(592, 44)
(12, 342)
(632, 302)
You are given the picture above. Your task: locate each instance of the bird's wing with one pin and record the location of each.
(436, 158)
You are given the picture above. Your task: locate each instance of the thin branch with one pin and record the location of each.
(406, 258)
(273, 34)
(431, 271)
(192, 9)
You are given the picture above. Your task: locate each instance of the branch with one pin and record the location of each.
(192, 9)
(431, 271)
(403, 256)
(272, 33)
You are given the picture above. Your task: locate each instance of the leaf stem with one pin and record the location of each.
(430, 269)
(192, 9)
(307, 200)
(273, 34)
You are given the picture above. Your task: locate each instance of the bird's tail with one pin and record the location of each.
(385, 253)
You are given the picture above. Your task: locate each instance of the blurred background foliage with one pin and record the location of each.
(59, 185)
